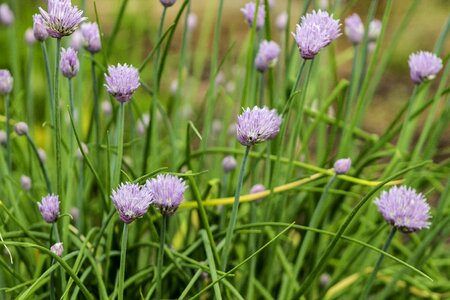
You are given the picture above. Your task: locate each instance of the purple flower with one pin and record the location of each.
(229, 163)
(39, 28)
(91, 36)
(49, 208)
(354, 29)
(76, 40)
(166, 192)
(374, 30)
(341, 166)
(29, 37)
(62, 18)
(131, 201)
(316, 31)
(25, 182)
(249, 12)
(281, 21)
(267, 55)
(6, 15)
(21, 128)
(424, 65)
(122, 82)
(6, 82)
(404, 208)
(167, 3)
(257, 188)
(257, 125)
(57, 248)
(2, 137)
(192, 21)
(69, 63)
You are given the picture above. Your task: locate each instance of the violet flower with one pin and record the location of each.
(6, 82)
(354, 29)
(49, 208)
(62, 19)
(166, 192)
(39, 28)
(423, 66)
(6, 15)
(91, 36)
(69, 63)
(249, 13)
(341, 166)
(131, 201)
(122, 82)
(267, 55)
(257, 125)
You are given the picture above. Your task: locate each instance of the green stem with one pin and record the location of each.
(123, 256)
(48, 77)
(162, 239)
(120, 125)
(372, 277)
(8, 132)
(41, 163)
(72, 107)
(96, 105)
(57, 119)
(234, 212)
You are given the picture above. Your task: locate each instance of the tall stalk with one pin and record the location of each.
(123, 257)
(162, 238)
(57, 118)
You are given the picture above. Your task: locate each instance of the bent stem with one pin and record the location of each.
(234, 212)
(162, 239)
(123, 256)
(372, 277)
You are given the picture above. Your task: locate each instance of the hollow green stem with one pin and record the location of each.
(123, 257)
(57, 118)
(162, 241)
(234, 212)
(372, 277)
(120, 122)
(48, 77)
(41, 163)
(8, 132)
(96, 105)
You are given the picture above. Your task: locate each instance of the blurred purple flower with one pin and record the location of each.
(404, 208)
(257, 125)
(69, 63)
(21, 128)
(374, 30)
(249, 12)
(192, 21)
(39, 28)
(122, 82)
(167, 3)
(257, 188)
(62, 18)
(29, 37)
(6, 82)
(131, 201)
(57, 248)
(25, 182)
(316, 31)
(267, 55)
(91, 36)
(49, 208)
(76, 40)
(281, 21)
(6, 15)
(341, 166)
(229, 163)
(354, 29)
(423, 66)
(166, 192)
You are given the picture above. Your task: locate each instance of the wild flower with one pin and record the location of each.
(131, 201)
(61, 19)
(49, 208)
(257, 125)
(166, 192)
(122, 82)
(424, 65)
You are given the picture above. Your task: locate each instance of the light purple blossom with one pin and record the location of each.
(39, 28)
(267, 55)
(122, 82)
(6, 15)
(49, 208)
(257, 125)
(282, 21)
(229, 163)
(76, 40)
(6, 82)
(21, 128)
(374, 30)
(57, 248)
(167, 3)
(316, 31)
(424, 65)
(249, 13)
(25, 182)
(69, 63)
(62, 18)
(29, 37)
(131, 201)
(257, 188)
(341, 166)
(91, 36)
(404, 208)
(166, 192)
(354, 29)
(192, 21)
